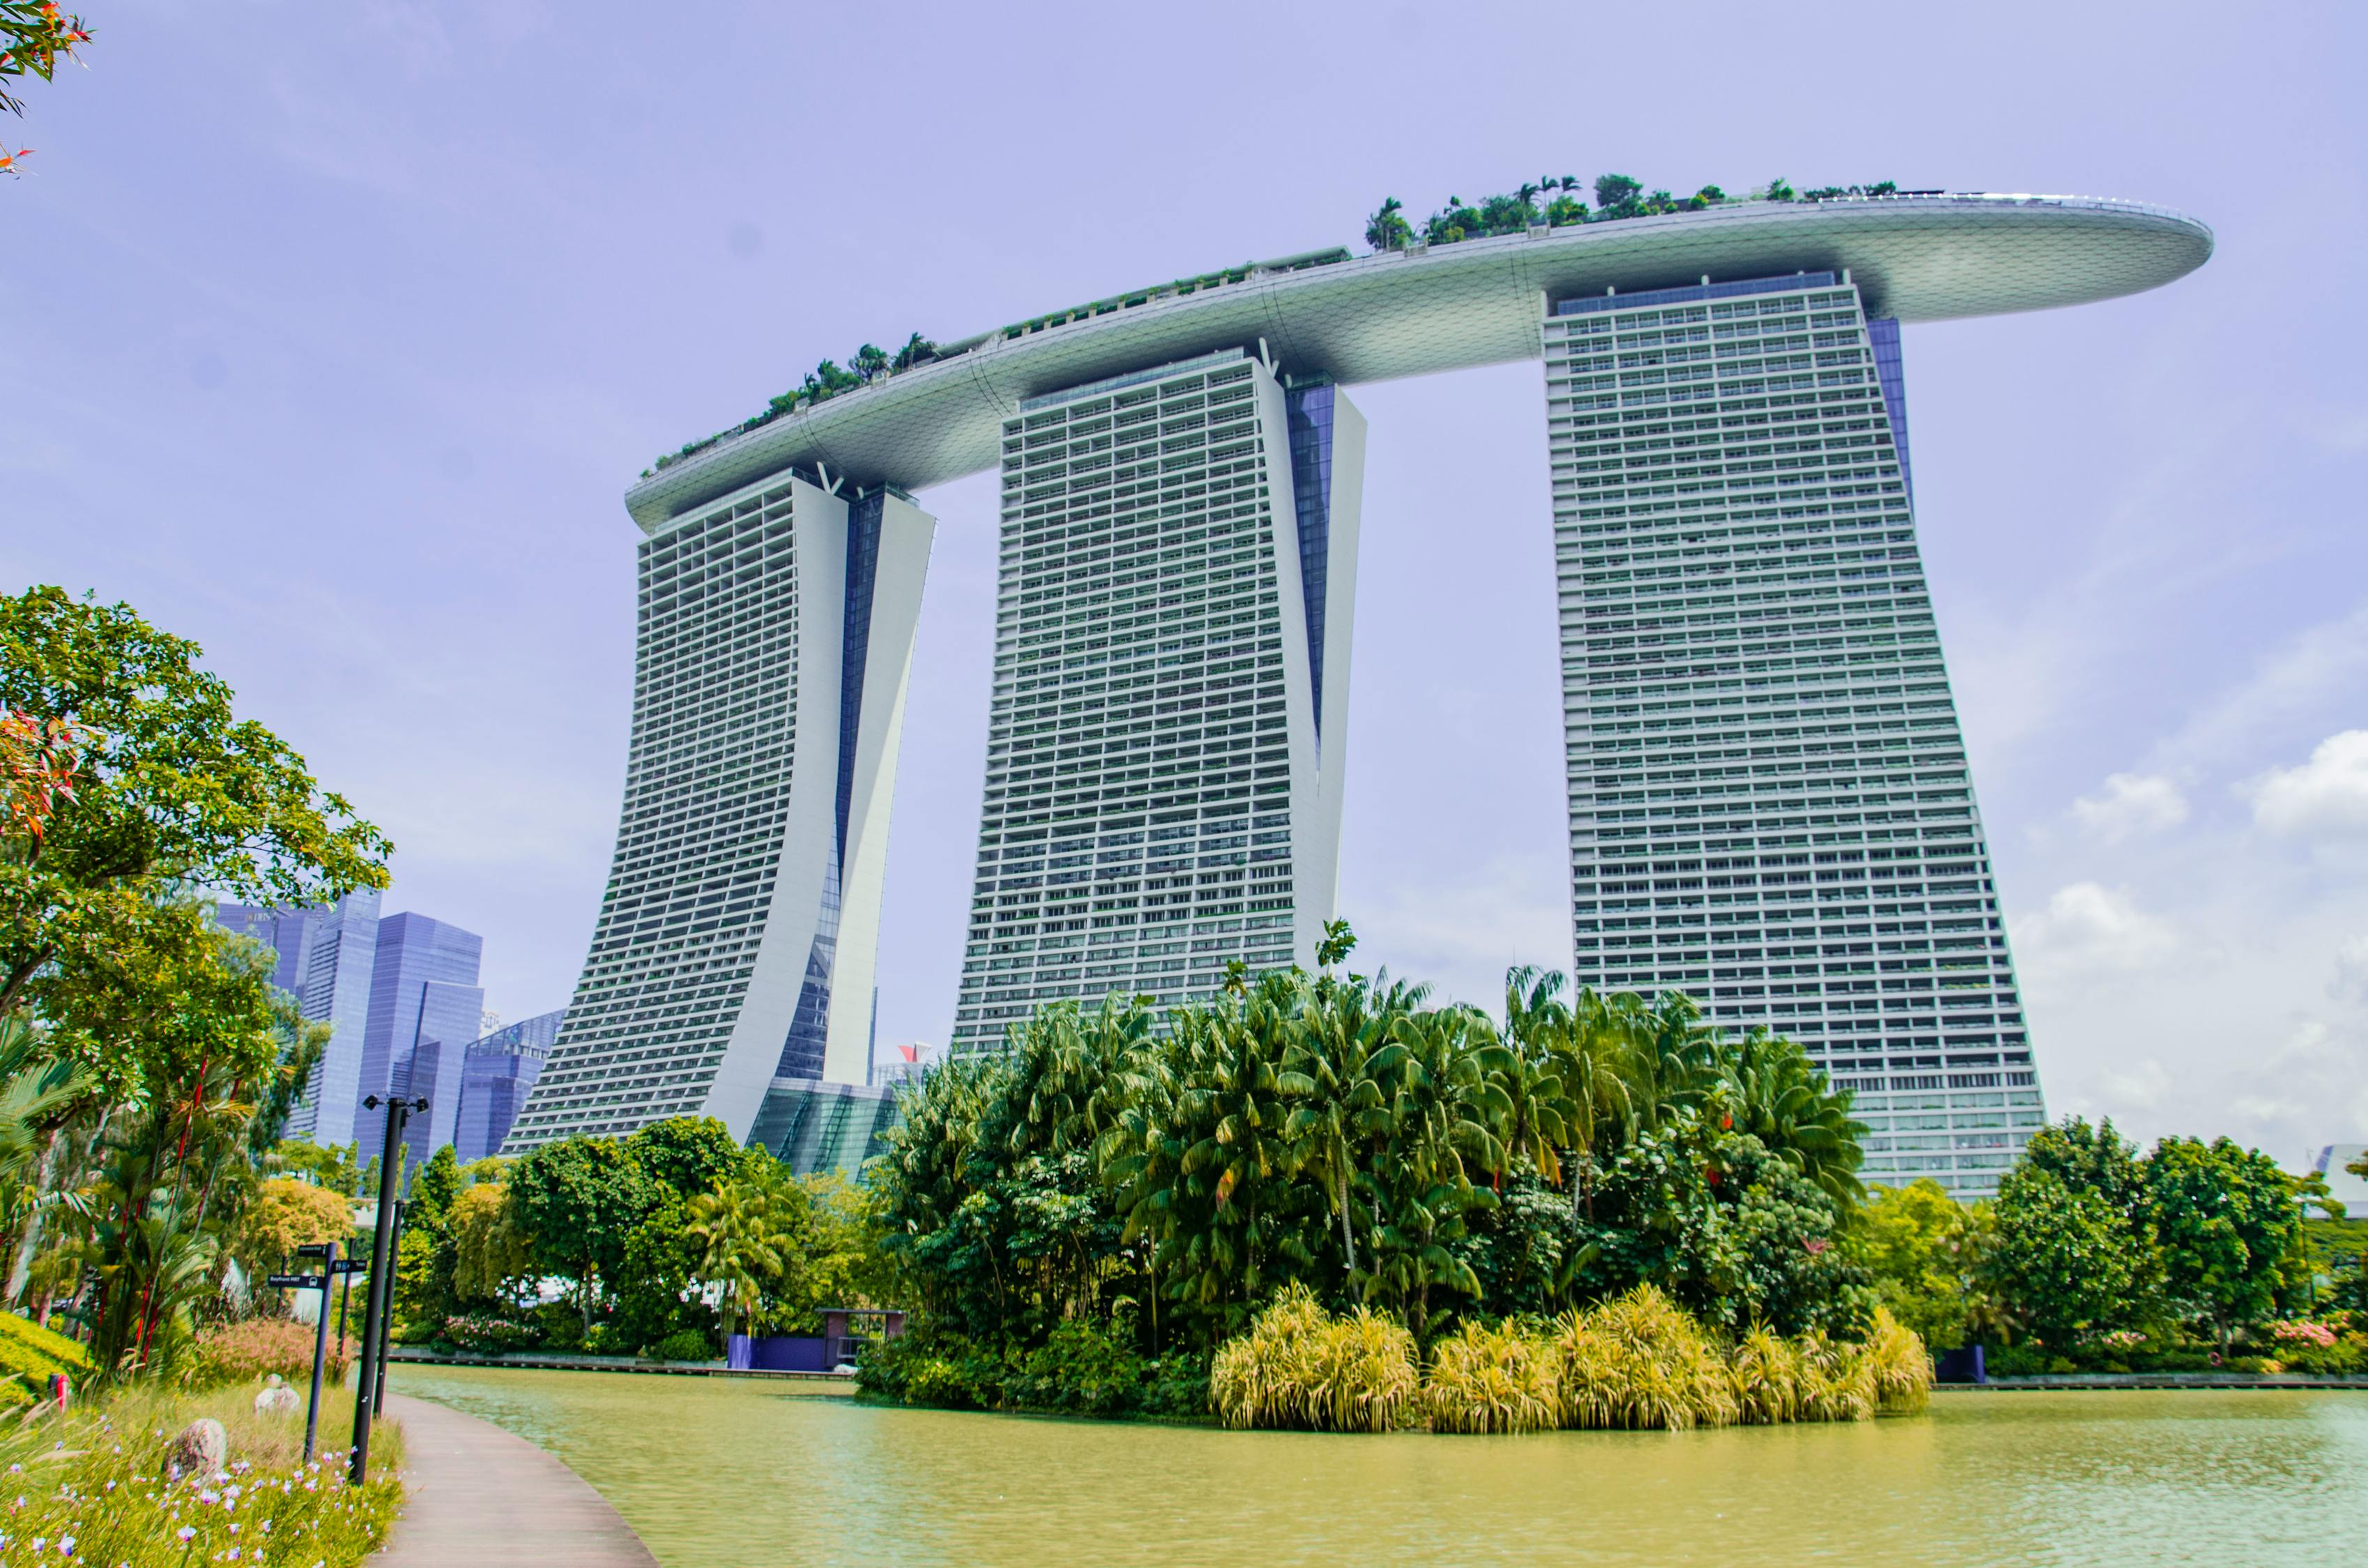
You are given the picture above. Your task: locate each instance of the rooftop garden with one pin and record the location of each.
(1560, 202)
(868, 364)
(1551, 202)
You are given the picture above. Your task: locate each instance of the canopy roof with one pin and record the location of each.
(1451, 307)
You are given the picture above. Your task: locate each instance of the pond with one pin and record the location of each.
(716, 1471)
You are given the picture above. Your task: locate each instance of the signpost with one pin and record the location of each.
(327, 1252)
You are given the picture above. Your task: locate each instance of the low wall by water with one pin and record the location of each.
(778, 1353)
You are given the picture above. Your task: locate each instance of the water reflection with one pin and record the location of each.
(719, 1471)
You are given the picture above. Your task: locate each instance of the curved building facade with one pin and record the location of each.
(1770, 806)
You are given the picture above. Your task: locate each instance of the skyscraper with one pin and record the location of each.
(326, 958)
(1170, 699)
(498, 1070)
(1769, 807)
(424, 1008)
(735, 941)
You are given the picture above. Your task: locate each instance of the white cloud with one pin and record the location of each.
(2131, 804)
(2093, 930)
(2324, 798)
(2351, 983)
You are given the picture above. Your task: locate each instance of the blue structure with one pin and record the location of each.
(495, 1073)
(426, 1006)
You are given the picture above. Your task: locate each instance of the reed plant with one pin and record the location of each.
(1837, 1380)
(1493, 1379)
(1639, 1361)
(1299, 1366)
(1903, 1369)
(1766, 1370)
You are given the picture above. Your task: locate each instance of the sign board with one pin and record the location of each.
(298, 1281)
(316, 1249)
(350, 1265)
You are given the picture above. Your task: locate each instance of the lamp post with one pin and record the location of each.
(380, 1294)
(395, 1251)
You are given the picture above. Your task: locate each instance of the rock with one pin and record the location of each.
(201, 1448)
(278, 1396)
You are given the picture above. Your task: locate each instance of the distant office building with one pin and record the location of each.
(896, 1064)
(1172, 685)
(496, 1071)
(425, 1007)
(814, 1126)
(326, 960)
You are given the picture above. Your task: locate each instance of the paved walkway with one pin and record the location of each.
(478, 1495)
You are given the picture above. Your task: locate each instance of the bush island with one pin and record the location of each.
(1638, 1361)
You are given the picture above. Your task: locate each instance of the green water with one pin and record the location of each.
(715, 1471)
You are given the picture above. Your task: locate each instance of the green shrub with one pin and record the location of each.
(29, 1354)
(1639, 1361)
(684, 1345)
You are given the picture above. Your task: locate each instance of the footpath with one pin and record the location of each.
(478, 1495)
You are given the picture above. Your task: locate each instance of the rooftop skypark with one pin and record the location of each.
(1616, 196)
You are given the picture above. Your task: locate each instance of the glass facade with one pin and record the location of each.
(1769, 806)
(496, 1072)
(424, 1008)
(1151, 807)
(814, 1126)
(326, 958)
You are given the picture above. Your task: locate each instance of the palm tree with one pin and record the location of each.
(916, 350)
(870, 363)
(1387, 227)
(38, 1093)
(747, 1230)
(1776, 1093)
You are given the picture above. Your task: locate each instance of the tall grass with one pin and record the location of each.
(97, 1485)
(1641, 1361)
(1493, 1379)
(1299, 1366)
(1636, 1362)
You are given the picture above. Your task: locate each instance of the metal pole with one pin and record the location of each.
(373, 1323)
(320, 1351)
(386, 1312)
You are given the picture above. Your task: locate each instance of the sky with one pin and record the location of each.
(337, 333)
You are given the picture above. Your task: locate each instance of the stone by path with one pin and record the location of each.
(478, 1495)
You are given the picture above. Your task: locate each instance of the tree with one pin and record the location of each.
(490, 1249)
(286, 1214)
(1616, 195)
(687, 1154)
(2066, 1263)
(746, 1232)
(1387, 227)
(168, 787)
(2227, 1222)
(34, 34)
(579, 1199)
(1925, 1253)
